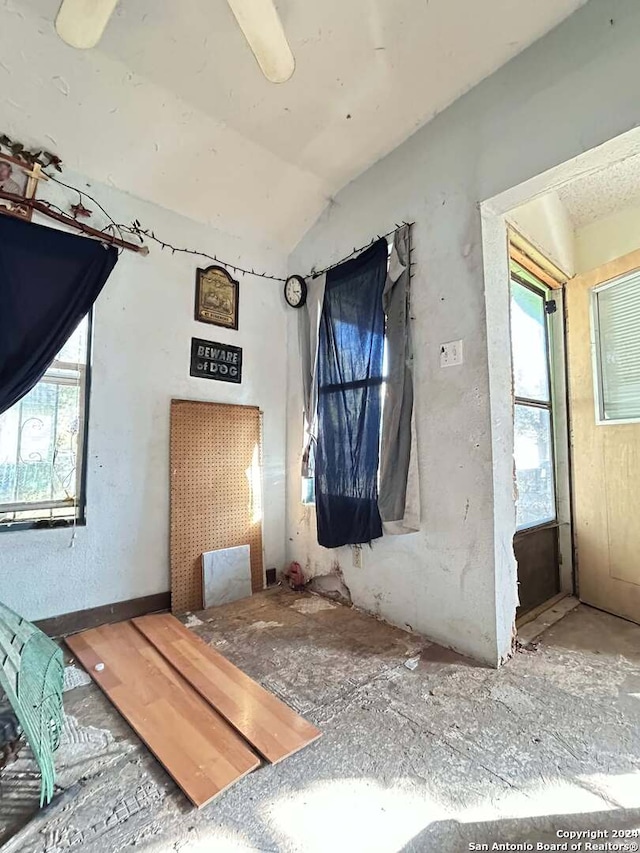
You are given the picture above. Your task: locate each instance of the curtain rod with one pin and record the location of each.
(46, 210)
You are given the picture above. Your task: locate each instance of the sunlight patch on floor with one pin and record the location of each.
(352, 814)
(543, 800)
(205, 840)
(620, 788)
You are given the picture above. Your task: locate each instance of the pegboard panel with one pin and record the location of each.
(216, 491)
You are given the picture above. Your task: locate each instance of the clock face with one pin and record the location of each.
(295, 291)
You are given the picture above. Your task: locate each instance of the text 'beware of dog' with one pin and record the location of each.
(211, 360)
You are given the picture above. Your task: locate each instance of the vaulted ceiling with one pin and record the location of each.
(171, 106)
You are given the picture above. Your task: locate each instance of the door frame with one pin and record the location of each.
(550, 277)
(495, 212)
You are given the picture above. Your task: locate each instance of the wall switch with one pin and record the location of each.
(451, 354)
(357, 556)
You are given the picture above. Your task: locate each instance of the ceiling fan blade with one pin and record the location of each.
(262, 28)
(81, 23)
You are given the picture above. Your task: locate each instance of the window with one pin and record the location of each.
(308, 490)
(42, 439)
(616, 327)
(308, 483)
(533, 403)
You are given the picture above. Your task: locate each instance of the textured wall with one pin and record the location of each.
(143, 328)
(456, 579)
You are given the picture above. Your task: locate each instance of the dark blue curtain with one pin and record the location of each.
(48, 282)
(350, 353)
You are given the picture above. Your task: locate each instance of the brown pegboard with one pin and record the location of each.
(214, 447)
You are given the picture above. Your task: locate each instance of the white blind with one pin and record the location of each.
(618, 348)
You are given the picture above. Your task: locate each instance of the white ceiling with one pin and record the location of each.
(172, 107)
(600, 193)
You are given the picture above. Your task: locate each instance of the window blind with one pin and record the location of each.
(617, 327)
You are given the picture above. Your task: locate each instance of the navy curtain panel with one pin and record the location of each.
(48, 282)
(350, 353)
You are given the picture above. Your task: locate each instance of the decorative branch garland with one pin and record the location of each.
(46, 159)
(138, 231)
(375, 239)
(17, 150)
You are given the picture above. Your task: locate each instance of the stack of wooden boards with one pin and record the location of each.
(197, 712)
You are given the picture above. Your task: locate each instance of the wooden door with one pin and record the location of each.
(216, 492)
(605, 453)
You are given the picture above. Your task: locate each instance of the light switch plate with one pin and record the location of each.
(451, 354)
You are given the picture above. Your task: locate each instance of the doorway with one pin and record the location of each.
(584, 217)
(540, 437)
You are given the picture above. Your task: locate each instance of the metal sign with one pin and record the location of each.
(211, 360)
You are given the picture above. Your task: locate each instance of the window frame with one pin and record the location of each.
(542, 290)
(80, 502)
(596, 353)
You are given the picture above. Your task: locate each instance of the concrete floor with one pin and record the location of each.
(433, 759)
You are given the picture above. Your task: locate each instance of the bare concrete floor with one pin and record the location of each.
(433, 759)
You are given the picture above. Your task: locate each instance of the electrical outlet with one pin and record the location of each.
(357, 556)
(451, 354)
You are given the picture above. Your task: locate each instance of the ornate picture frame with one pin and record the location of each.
(216, 297)
(15, 180)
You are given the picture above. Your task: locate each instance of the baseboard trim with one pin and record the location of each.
(81, 620)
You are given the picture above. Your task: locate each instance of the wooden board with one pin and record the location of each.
(269, 725)
(202, 752)
(216, 492)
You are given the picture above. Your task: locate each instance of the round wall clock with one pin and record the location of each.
(295, 291)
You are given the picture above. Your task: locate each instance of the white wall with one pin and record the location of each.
(607, 239)
(544, 221)
(142, 334)
(456, 579)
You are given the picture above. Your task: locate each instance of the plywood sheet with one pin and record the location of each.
(226, 575)
(199, 749)
(270, 726)
(216, 498)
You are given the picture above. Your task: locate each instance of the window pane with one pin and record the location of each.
(618, 312)
(308, 490)
(39, 445)
(66, 442)
(534, 466)
(9, 434)
(35, 444)
(529, 343)
(41, 442)
(75, 349)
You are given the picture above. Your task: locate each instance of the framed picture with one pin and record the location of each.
(216, 297)
(14, 180)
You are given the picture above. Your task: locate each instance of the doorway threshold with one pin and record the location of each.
(532, 624)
